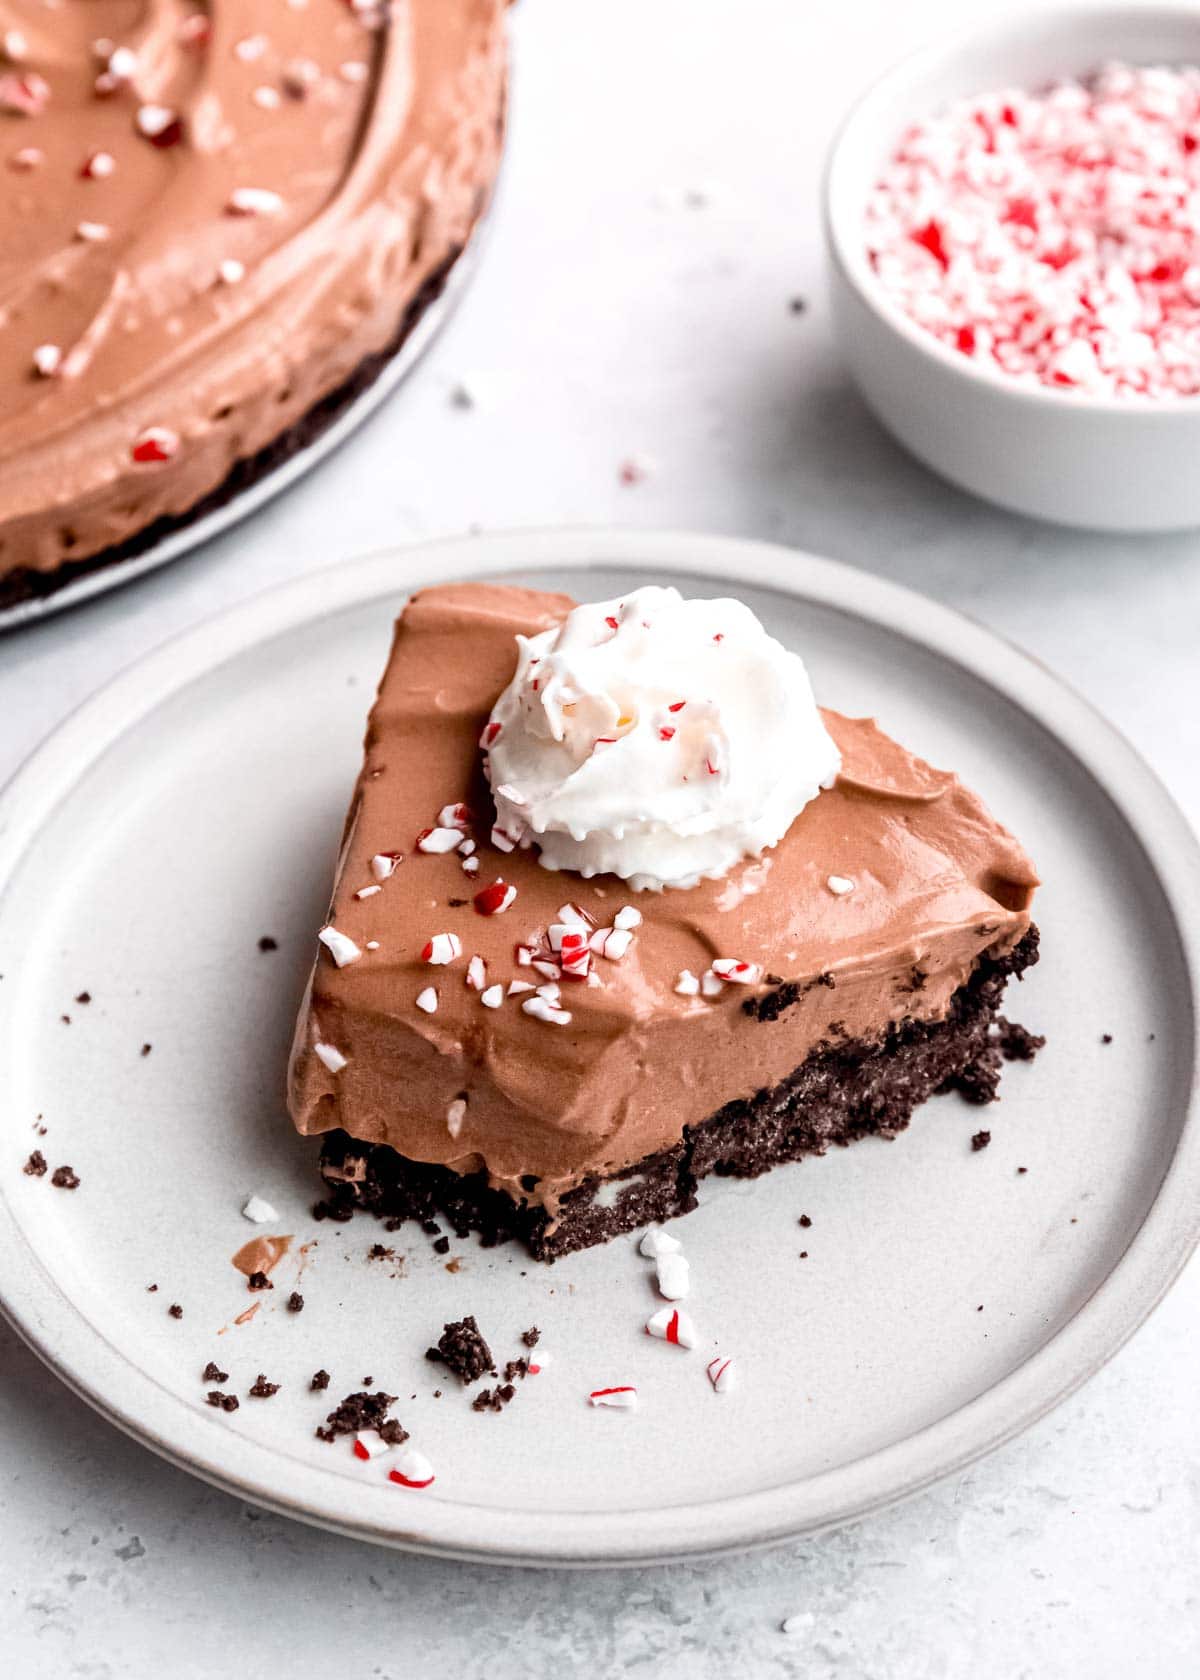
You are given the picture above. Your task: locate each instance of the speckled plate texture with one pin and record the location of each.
(947, 1298)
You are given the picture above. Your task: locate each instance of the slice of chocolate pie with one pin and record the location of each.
(618, 907)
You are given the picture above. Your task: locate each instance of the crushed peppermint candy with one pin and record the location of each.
(47, 359)
(687, 985)
(439, 839)
(711, 985)
(92, 233)
(721, 1375)
(740, 973)
(368, 892)
(159, 124)
(230, 271)
(542, 1009)
(470, 866)
(259, 1212)
(494, 900)
(1053, 237)
(26, 94)
(340, 946)
(412, 1469)
(611, 942)
(456, 1113)
(840, 885)
(330, 1055)
(492, 998)
(455, 816)
(98, 166)
(369, 1443)
(623, 1398)
(627, 918)
(476, 974)
(672, 1275)
(254, 201)
(383, 864)
(427, 1001)
(154, 445)
(442, 948)
(800, 1621)
(27, 157)
(516, 987)
(668, 1324)
(656, 1241)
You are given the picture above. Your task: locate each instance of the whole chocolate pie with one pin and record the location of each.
(618, 907)
(219, 222)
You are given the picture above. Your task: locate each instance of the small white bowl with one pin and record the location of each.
(1108, 463)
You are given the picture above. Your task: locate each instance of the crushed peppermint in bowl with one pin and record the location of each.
(1013, 223)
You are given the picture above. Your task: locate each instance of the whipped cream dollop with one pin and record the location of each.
(655, 738)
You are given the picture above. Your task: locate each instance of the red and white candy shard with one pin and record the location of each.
(98, 166)
(840, 885)
(368, 892)
(492, 998)
(155, 444)
(627, 918)
(470, 866)
(612, 942)
(516, 987)
(456, 1113)
(656, 1242)
(92, 233)
(340, 946)
(503, 841)
(254, 201)
(383, 865)
(47, 359)
(721, 1374)
(458, 816)
(412, 1469)
(26, 95)
(154, 121)
(538, 1362)
(711, 984)
(476, 974)
(543, 1010)
(687, 985)
(673, 1276)
(668, 1324)
(621, 1399)
(441, 948)
(467, 848)
(258, 1211)
(548, 970)
(330, 1055)
(733, 969)
(439, 840)
(494, 900)
(427, 1001)
(369, 1443)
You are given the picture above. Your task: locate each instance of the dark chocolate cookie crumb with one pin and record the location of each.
(65, 1178)
(259, 1280)
(320, 1381)
(363, 1411)
(1106, 1038)
(1022, 1169)
(804, 1254)
(1017, 1043)
(516, 1368)
(226, 1402)
(35, 1167)
(462, 1349)
(805, 1221)
(83, 997)
(980, 1141)
(797, 306)
(431, 1228)
(213, 1373)
(487, 1400)
(295, 1301)
(532, 1336)
(367, 1382)
(266, 943)
(174, 1310)
(442, 1245)
(152, 1289)
(262, 1389)
(146, 1049)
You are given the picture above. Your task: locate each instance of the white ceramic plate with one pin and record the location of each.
(271, 484)
(195, 804)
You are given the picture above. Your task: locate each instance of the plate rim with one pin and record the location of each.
(56, 1330)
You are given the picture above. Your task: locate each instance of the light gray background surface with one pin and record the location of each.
(659, 211)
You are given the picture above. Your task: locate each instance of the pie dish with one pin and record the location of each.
(221, 228)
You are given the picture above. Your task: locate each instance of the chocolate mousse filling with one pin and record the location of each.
(865, 956)
(221, 223)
